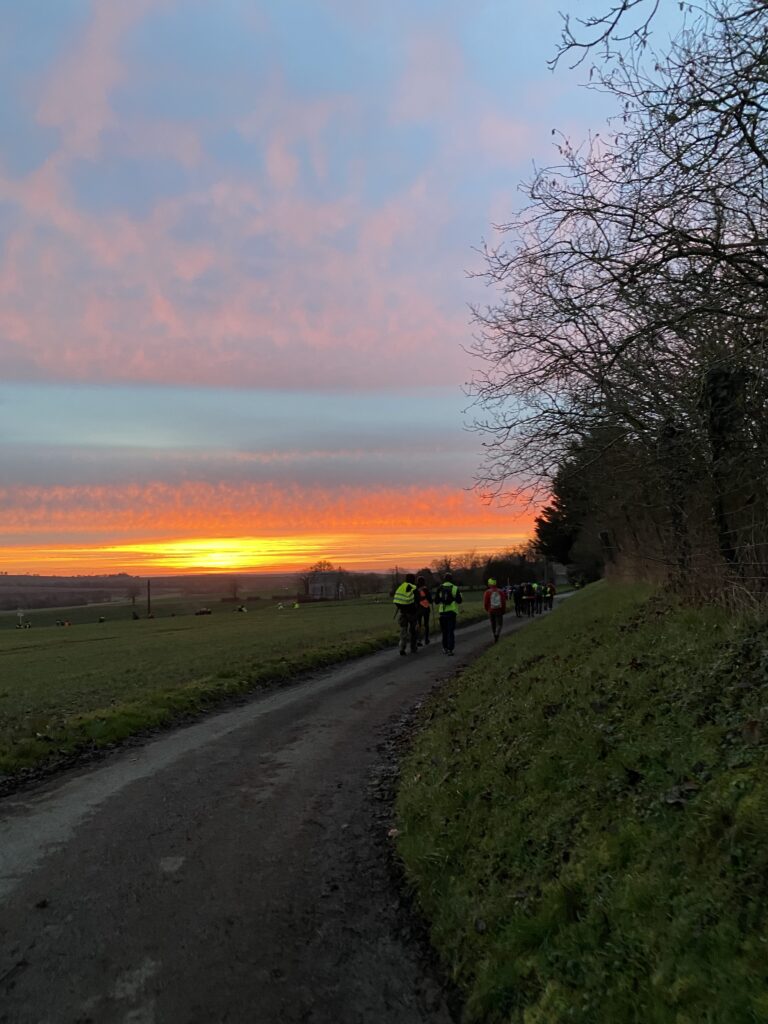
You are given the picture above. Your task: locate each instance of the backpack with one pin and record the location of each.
(495, 600)
(444, 594)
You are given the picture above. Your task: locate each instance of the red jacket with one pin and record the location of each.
(487, 600)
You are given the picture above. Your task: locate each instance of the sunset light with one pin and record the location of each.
(253, 554)
(205, 527)
(224, 554)
(236, 248)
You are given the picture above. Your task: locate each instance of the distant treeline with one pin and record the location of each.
(30, 592)
(11, 599)
(521, 564)
(34, 582)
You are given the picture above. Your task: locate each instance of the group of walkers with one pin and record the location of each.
(414, 601)
(532, 598)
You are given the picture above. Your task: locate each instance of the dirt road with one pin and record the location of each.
(233, 870)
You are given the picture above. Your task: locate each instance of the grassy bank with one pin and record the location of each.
(93, 684)
(585, 818)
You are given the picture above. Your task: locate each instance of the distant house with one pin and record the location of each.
(560, 573)
(326, 586)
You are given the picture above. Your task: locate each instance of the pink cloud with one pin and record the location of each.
(77, 98)
(503, 139)
(166, 316)
(165, 139)
(160, 511)
(291, 120)
(360, 302)
(108, 297)
(282, 165)
(435, 74)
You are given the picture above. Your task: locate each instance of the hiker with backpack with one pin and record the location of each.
(517, 597)
(447, 600)
(406, 610)
(424, 600)
(495, 603)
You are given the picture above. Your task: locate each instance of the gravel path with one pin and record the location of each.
(237, 869)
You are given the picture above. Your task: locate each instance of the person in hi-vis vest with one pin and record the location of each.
(406, 605)
(448, 599)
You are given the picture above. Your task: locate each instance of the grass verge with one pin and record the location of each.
(584, 817)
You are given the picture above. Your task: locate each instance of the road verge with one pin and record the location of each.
(584, 817)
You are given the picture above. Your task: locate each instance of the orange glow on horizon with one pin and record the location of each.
(227, 554)
(249, 554)
(196, 528)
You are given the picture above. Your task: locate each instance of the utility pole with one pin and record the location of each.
(149, 598)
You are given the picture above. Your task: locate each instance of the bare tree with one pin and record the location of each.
(629, 334)
(444, 564)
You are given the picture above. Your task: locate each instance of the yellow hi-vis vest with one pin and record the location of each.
(404, 594)
(453, 606)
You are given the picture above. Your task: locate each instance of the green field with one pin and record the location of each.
(68, 688)
(121, 611)
(584, 818)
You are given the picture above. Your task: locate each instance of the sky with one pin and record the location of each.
(236, 240)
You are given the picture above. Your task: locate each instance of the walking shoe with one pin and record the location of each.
(403, 654)
(426, 641)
